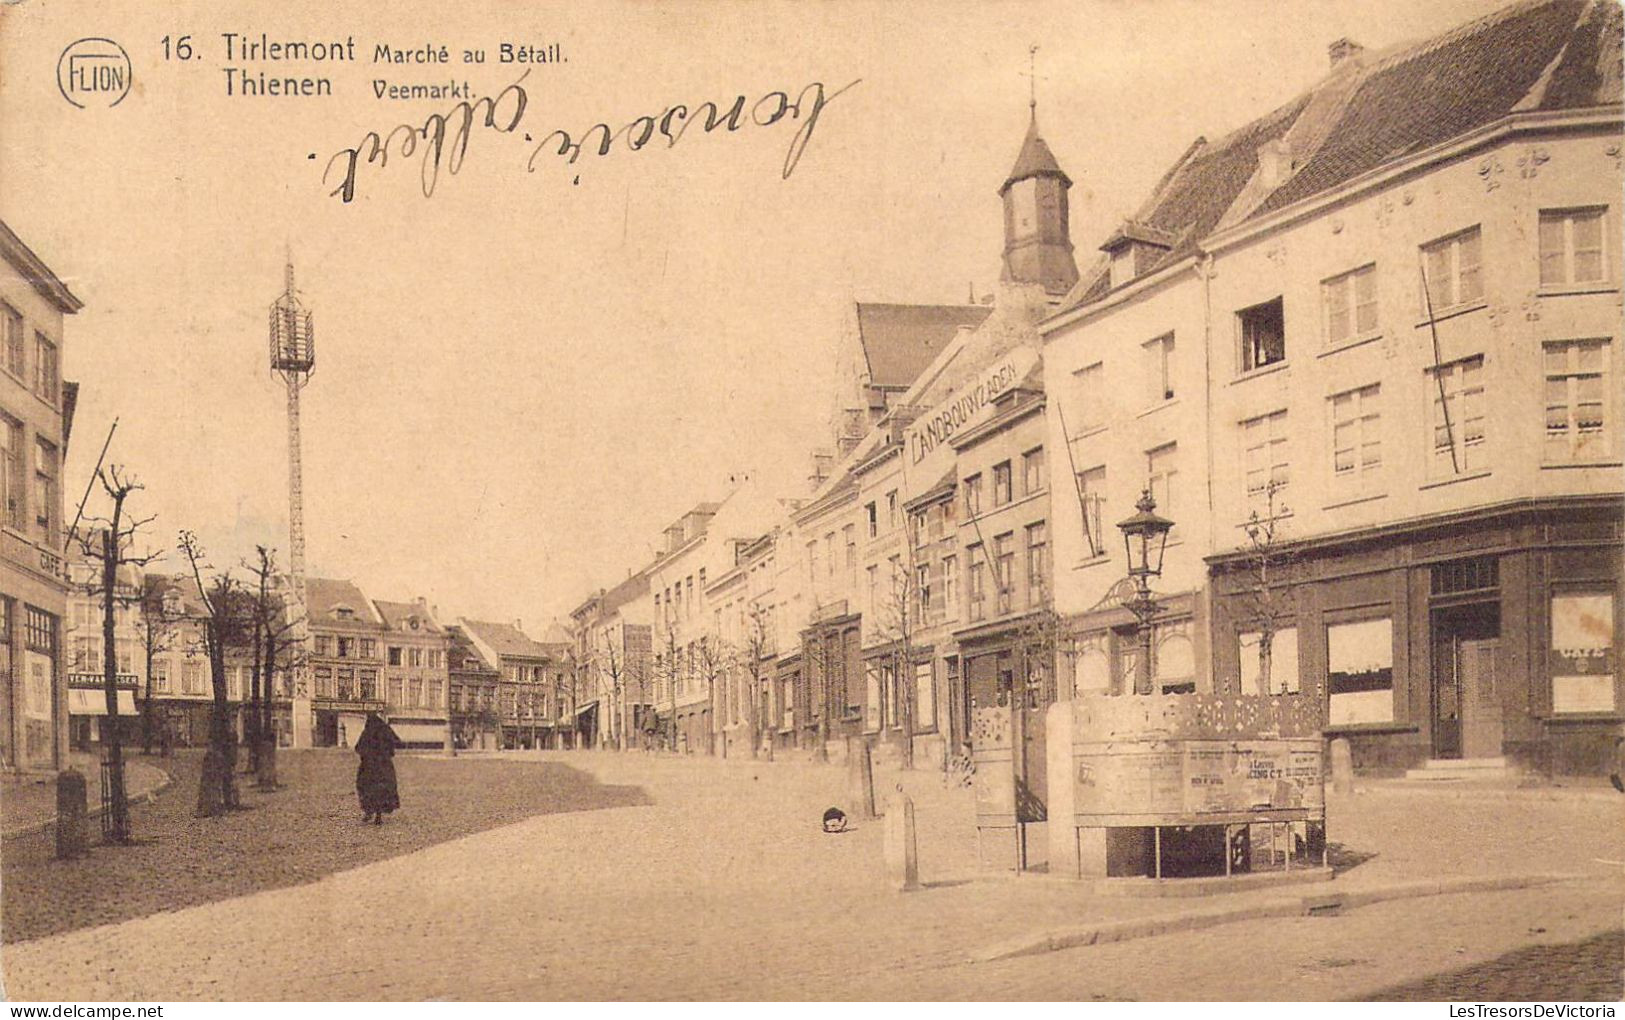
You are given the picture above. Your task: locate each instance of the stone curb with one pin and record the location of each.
(1318, 902)
(145, 797)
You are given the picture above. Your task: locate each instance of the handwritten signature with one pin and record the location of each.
(443, 137)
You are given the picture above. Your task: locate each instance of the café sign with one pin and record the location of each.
(926, 441)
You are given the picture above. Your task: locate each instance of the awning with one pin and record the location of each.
(588, 707)
(83, 701)
(420, 733)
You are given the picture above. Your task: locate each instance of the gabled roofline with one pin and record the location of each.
(37, 272)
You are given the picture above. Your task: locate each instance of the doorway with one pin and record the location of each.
(1466, 683)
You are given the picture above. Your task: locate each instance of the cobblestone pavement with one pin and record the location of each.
(309, 829)
(724, 887)
(27, 801)
(1587, 970)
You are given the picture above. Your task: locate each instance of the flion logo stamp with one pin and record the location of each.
(94, 73)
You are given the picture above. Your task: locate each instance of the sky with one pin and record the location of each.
(524, 377)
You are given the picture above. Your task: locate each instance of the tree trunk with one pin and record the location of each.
(119, 832)
(217, 791)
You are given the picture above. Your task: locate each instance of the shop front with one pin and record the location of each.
(1490, 636)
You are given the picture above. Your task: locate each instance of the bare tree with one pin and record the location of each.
(224, 622)
(902, 616)
(757, 651)
(158, 632)
(669, 672)
(1269, 599)
(274, 644)
(115, 539)
(714, 660)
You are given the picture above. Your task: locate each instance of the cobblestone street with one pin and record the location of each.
(720, 884)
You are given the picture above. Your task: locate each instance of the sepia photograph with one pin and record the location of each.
(812, 502)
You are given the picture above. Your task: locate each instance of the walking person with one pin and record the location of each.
(375, 778)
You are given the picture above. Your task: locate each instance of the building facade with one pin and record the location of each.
(416, 679)
(83, 650)
(530, 694)
(1299, 339)
(36, 417)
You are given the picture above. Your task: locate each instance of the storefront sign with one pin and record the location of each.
(926, 441)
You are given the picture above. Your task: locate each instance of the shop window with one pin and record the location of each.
(1283, 675)
(1092, 669)
(925, 697)
(1174, 658)
(1360, 672)
(1582, 655)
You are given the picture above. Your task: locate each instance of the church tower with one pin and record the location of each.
(1037, 237)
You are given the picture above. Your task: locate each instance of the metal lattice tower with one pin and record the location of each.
(293, 356)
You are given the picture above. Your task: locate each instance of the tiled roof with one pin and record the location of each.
(324, 597)
(900, 341)
(1465, 80)
(1533, 55)
(555, 634)
(398, 616)
(505, 639)
(629, 589)
(1035, 159)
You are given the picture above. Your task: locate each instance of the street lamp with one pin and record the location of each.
(1145, 538)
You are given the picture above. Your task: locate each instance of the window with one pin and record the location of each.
(950, 586)
(434, 658)
(1571, 247)
(1001, 483)
(414, 657)
(369, 685)
(1264, 458)
(12, 320)
(1283, 670)
(1032, 471)
(1582, 656)
(1092, 672)
(1161, 468)
(977, 582)
(1454, 275)
(973, 496)
(849, 533)
(160, 676)
(874, 590)
(922, 589)
(394, 655)
(1349, 303)
(831, 559)
(1173, 658)
(45, 368)
(1576, 398)
(891, 510)
(414, 693)
(11, 471)
(87, 653)
(45, 496)
(1004, 561)
(321, 644)
(1159, 369)
(1360, 672)
(1263, 334)
(1089, 382)
(925, 697)
(369, 648)
(1356, 439)
(1092, 494)
(1037, 563)
(397, 689)
(346, 679)
(1456, 392)
(345, 647)
(874, 519)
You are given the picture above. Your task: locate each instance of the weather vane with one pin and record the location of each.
(1032, 76)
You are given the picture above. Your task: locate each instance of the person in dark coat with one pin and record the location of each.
(375, 779)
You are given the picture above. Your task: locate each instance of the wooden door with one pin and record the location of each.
(1480, 698)
(1446, 695)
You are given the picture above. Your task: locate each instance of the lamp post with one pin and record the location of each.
(1145, 538)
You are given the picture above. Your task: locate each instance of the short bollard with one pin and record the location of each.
(71, 838)
(1342, 766)
(860, 774)
(902, 851)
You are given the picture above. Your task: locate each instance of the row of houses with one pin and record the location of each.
(480, 684)
(1362, 351)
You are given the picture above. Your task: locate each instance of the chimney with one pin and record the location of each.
(1343, 51)
(519, 625)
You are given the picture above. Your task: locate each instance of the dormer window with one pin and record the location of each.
(342, 612)
(1134, 249)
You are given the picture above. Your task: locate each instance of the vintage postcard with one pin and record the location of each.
(812, 501)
